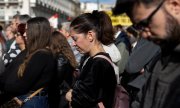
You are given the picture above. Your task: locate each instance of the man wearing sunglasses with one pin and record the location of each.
(158, 21)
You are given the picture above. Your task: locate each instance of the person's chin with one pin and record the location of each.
(80, 51)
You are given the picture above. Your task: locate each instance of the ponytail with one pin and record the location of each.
(98, 21)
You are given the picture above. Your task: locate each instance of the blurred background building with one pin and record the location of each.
(89, 6)
(65, 9)
(105, 5)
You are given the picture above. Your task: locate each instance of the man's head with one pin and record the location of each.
(158, 20)
(23, 19)
(14, 23)
(65, 28)
(19, 19)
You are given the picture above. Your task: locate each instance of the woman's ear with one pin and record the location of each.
(91, 36)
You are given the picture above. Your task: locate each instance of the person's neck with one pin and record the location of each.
(96, 49)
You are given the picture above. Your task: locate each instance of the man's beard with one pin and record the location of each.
(172, 37)
(173, 29)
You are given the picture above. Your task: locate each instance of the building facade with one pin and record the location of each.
(90, 6)
(66, 9)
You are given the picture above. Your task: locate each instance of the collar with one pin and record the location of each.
(117, 34)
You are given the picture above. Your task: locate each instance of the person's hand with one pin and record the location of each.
(69, 95)
(101, 105)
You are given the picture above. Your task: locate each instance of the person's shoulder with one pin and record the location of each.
(101, 57)
(43, 53)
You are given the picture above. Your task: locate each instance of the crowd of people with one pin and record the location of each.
(80, 63)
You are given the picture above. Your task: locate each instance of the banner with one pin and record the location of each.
(122, 19)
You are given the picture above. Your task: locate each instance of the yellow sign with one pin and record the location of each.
(122, 19)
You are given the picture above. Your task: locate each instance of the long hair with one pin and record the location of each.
(38, 37)
(98, 21)
(59, 44)
(2, 39)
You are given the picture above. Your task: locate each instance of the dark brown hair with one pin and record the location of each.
(21, 29)
(59, 44)
(98, 21)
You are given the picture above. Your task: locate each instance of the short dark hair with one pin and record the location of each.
(125, 6)
(16, 16)
(24, 18)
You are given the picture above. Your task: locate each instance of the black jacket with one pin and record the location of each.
(62, 82)
(96, 83)
(38, 73)
(144, 56)
(162, 89)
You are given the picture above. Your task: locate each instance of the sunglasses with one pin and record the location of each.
(145, 22)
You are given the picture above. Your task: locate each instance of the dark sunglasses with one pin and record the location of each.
(145, 22)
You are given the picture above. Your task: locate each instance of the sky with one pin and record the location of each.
(101, 1)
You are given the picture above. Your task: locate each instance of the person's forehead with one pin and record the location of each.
(17, 19)
(13, 21)
(141, 11)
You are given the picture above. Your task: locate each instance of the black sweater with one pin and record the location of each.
(96, 83)
(38, 73)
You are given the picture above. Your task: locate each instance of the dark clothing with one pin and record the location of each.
(12, 67)
(123, 44)
(61, 83)
(160, 88)
(141, 55)
(144, 56)
(96, 83)
(8, 44)
(11, 54)
(38, 73)
(173, 97)
(123, 37)
(1, 66)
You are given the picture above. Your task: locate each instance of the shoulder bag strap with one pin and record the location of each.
(106, 58)
(33, 94)
(28, 98)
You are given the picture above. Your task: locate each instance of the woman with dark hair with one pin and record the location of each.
(97, 80)
(36, 70)
(20, 40)
(66, 65)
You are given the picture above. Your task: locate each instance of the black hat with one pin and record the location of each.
(123, 6)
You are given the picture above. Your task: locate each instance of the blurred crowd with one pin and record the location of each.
(80, 63)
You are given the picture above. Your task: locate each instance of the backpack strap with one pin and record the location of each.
(106, 58)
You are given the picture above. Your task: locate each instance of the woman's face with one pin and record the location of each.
(19, 39)
(81, 41)
(9, 33)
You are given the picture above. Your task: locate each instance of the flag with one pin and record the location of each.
(54, 20)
